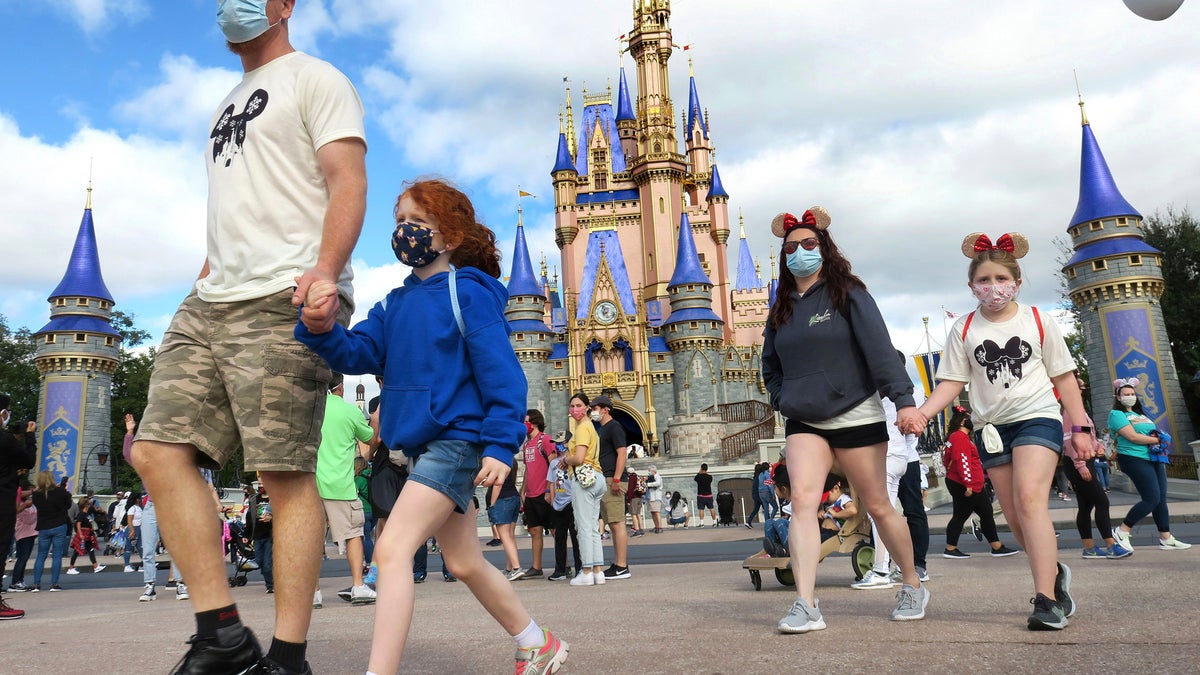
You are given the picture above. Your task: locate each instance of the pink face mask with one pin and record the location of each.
(995, 296)
(578, 413)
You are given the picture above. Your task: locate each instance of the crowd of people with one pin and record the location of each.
(236, 369)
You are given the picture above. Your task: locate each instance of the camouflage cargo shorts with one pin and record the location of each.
(231, 374)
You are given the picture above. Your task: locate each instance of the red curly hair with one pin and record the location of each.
(452, 211)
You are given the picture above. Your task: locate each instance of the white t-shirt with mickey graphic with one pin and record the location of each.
(1007, 365)
(267, 195)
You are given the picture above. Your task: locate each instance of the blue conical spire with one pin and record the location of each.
(563, 161)
(624, 109)
(687, 263)
(83, 277)
(1098, 194)
(716, 189)
(694, 111)
(747, 273)
(521, 280)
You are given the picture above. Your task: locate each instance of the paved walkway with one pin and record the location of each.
(1135, 615)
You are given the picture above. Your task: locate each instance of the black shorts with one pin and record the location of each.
(704, 502)
(850, 437)
(538, 513)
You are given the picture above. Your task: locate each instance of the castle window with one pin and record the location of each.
(558, 365)
(81, 337)
(108, 341)
(60, 302)
(659, 358)
(1098, 265)
(600, 180)
(1071, 273)
(1135, 260)
(1095, 226)
(662, 205)
(693, 324)
(82, 302)
(50, 339)
(714, 325)
(650, 259)
(519, 336)
(1122, 222)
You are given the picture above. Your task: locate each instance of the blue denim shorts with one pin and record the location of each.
(504, 511)
(1043, 431)
(450, 468)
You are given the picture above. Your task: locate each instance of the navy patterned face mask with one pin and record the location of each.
(413, 244)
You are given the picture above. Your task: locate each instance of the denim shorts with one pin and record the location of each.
(450, 468)
(1044, 431)
(504, 511)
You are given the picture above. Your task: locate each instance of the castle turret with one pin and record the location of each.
(626, 121)
(694, 333)
(77, 353)
(1115, 279)
(526, 312)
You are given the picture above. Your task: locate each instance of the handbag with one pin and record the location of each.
(585, 475)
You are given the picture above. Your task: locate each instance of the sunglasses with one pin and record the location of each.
(790, 247)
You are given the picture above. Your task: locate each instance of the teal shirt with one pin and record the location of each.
(360, 484)
(344, 423)
(1118, 419)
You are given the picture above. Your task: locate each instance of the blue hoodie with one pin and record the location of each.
(436, 385)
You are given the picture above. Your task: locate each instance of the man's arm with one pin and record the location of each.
(343, 163)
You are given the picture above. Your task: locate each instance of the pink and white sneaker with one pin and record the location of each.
(542, 660)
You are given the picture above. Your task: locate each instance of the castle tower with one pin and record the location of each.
(360, 396)
(693, 331)
(77, 354)
(626, 121)
(526, 311)
(1115, 279)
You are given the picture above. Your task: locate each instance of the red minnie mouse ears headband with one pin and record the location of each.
(1012, 242)
(816, 218)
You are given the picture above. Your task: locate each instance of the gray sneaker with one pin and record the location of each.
(802, 618)
(1062, 590)
(1047, 614)
(910, 603)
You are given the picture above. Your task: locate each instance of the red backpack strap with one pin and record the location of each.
(967, 324)
(1038, 320)
(542, 445)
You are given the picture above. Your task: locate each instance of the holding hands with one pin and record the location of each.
(320, 302)
(910, 420)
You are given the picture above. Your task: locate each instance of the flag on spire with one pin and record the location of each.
(522, 193)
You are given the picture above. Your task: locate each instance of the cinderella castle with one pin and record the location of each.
(648, 311)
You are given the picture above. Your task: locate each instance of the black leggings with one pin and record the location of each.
(979, 504)
(564, 527)
(1090, 495)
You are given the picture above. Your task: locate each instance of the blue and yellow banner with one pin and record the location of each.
(62, 428)
(927, 365)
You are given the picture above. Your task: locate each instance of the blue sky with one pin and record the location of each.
(913, 128)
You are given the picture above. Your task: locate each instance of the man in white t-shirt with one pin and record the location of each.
(287, 192)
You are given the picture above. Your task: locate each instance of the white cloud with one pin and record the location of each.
(98, 15)
(182, 104)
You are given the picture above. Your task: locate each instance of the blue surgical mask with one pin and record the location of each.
(243, 20)
(804, 263)
(413, 244)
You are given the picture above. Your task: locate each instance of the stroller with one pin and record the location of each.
(241, 553)
(854, 538)
(725, 508)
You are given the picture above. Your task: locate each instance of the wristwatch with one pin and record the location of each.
(1081, 430)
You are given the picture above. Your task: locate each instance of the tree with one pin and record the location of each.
(19, 377)
(1177, 235)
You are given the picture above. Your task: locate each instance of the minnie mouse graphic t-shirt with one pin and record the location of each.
(1008, 366)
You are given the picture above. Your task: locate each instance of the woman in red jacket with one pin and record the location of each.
(964, 482)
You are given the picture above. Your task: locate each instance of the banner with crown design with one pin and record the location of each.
(1133, 353)
(62, 427)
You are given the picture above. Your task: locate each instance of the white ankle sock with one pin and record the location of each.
(530, 637)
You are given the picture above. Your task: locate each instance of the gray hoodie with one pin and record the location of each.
(823, 362)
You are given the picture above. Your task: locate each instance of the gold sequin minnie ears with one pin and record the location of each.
(816, 218)
(978, 242)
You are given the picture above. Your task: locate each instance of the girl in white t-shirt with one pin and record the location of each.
(1014, 359)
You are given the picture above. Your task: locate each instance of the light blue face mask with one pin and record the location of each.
(804, 263)
(243, 20)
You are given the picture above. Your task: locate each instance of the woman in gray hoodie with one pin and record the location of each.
(827, 359)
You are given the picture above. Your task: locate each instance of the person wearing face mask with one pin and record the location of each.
(964, 482)
(453, 402)
(588, 487)
(827, 360)
(1014, 359)
(285, 158)
(1136, 437)
(613, 454)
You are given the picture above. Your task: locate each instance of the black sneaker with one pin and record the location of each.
(449, 578)
(557, 575)
(419, 578)
(267, 666)
(955, 554)
(1003, 552)
(1047, 614)
(345, 594)
(171, 583)
(208, 656)
(493, 542)
(1062, 590)
(531, 572)
(614, 572)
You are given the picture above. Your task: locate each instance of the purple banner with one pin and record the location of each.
(62, 428)
(1133, 353)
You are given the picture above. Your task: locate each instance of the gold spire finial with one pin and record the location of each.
(560, 120)
(544, 266)
(1079, 93)
(88, 205)
(757, 267)
(741, 224)
(772, 265)
(691, 67)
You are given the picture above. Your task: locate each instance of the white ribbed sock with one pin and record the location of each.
(530, 637)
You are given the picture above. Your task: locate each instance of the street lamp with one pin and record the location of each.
(101, 450)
